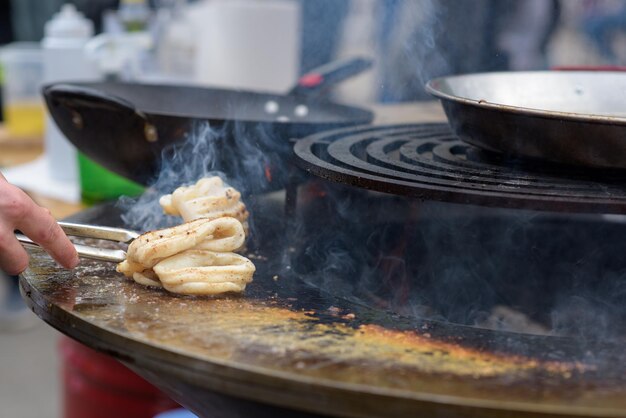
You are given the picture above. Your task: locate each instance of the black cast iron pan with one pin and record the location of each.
(126, 127)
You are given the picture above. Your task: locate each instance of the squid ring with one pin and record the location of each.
(204, 272)
(222, 234)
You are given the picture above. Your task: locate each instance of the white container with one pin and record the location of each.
(248, 44)
(64, 59)
(23, 74)
(176, 44)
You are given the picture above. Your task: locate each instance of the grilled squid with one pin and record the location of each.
(208, 198)
(202, 272)
(193, 258)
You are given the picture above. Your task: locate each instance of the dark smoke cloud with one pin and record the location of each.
(512, 270)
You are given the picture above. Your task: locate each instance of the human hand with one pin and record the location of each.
(18, 211)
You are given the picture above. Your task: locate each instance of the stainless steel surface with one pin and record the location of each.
(92, 231)
(99, 232)
(573, 117)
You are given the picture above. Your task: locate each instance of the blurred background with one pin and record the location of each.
(208, 42)
(263, 45)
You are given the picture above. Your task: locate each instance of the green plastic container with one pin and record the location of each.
(98, 184)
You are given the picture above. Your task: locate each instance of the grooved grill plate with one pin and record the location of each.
(428, 161)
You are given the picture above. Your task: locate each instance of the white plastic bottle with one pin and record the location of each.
(64, 59)
(134, 14)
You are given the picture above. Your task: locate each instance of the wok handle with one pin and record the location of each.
(72, 96)
(321, 78)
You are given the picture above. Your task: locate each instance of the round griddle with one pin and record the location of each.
(285, 347)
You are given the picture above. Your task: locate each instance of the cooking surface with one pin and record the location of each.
(428, 161)
(292, 344)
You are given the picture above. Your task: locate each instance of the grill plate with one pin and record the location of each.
(428, 161)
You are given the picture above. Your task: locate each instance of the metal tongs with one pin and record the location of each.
(92, 231)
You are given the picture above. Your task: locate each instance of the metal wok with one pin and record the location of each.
(576, 117)
(126, 127)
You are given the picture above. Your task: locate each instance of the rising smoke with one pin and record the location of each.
(563, 275)
(241, 157)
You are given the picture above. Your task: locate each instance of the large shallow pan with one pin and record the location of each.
(126, 126)
(576, 117)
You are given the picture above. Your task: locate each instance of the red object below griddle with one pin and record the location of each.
(98, 386)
